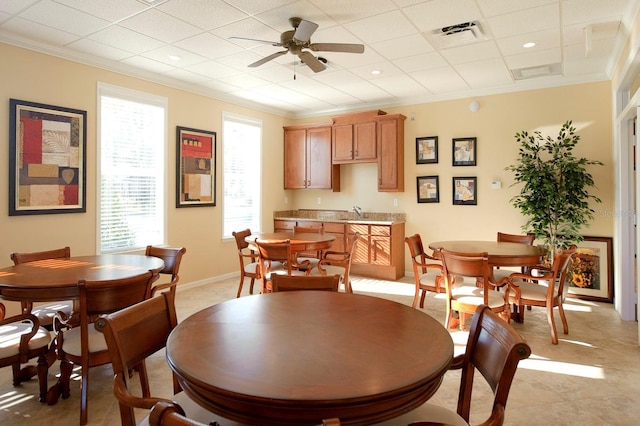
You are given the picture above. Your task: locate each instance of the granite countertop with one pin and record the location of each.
(344, 216)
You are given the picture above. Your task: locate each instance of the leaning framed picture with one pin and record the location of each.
(427, 150)
(465, 191)
(47, 159)
(428, 189)
(590, 271)
(195, 167)
(464, 151)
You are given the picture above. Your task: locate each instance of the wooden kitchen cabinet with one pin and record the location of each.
(390, 136)
(307, 158)
(354, 142)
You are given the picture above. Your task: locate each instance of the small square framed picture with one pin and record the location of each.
(465, 191)
(428, 189)
(464, 151)
(427, 150)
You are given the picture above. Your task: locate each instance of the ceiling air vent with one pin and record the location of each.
(535, 72)
(457, 35)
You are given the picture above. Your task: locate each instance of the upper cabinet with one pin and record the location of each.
(307, 157)
(354, 138)
(390, 131)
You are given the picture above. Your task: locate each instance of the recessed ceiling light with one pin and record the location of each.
(174, 57)
(376, 72)
(528, 45)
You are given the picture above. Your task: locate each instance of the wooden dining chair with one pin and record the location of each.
(312, 257)
(528, 239)
(21, 339)
(172, 258)
(82, 344)
(276, 257)
(543, 286)
(249, 264)
(154, 319)
(339, 262)
(494, 348)
(427, 270)
(465, 297)
(305, 282)
(44, 312)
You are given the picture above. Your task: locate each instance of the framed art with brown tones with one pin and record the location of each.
(195, 168)
(590, 271)
(47, 162)
(427, 150)
(465, 191)
(428, 189)
(464, 151)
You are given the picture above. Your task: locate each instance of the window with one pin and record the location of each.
(132, 170)
(241, 173)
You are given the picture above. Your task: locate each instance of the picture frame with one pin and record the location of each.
(590, 271)
(195, 167)
(428, 189)
(427, 150)
(464, 151)
(465, 191)
(47, 159)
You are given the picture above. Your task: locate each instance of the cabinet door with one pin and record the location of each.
(342, 142)
(319, 158)
(361, 254)
(295, 173)
(391, 154)
(364, 145)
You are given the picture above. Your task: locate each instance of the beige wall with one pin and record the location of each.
(494, 125)
(50, 80)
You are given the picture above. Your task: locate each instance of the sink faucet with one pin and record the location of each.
(358, 211)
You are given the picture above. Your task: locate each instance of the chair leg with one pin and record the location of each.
(416, 297)
(84, 396)
(43, 372)
(253, 280)
(240, 285)
(565, 325)
(144, 379)
(552, 325)
(422, 297)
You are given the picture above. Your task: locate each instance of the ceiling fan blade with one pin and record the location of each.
(312, 62)
(337, 47)
(273, 43)
(304, 30)
(267, 59)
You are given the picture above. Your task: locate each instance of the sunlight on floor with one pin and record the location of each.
(566, 368)
(12, 399)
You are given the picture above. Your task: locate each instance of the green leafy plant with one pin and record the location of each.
(555, 193)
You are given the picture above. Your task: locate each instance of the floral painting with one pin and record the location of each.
(590, 274)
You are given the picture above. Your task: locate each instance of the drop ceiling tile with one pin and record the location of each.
(351, 10)
(159, 25)
(436, 14)
(244, 81)
(164, 54)
(112, 10)
(63, 18)
(125, 39)
(147, 64)
(502, 7)
(99, 49)
(11, 7)
(213, 69)
(525, 21)
(485, 74)
(471, 53)
(422, 62)
(401, 86)
(403, 47)
(547, 39)
(185, 75)
(386, 69)
(38, 32)
(381, 27)
(578, 11)
(440, 80)
(208, 45)
(534, 59)
(204, 14)
(278, 18)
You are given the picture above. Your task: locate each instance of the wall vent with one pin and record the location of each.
(537, 71)
(457, 35)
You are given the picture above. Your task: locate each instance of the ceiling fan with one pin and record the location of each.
(300, 38)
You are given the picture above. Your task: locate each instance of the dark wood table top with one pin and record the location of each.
(57, 279)
(500, 253)
(300, 241)
(295, 358)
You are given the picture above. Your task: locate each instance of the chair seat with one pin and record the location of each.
(474, 296)
(252, 268)
(533, 291)
(46, 313)
(428, 412)
(10, 338)
(193, 411)
(71, 342)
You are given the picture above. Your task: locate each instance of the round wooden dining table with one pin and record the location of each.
(500, 253)
(295, 358)
(57, 279)
(300, 241)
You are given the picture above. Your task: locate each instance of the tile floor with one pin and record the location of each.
(592, 377)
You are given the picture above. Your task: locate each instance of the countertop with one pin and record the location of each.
(340, 216)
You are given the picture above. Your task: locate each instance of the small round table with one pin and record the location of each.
(500, 253)
(300, 241)
(295, 358)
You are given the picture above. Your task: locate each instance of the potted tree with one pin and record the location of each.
(555, 193)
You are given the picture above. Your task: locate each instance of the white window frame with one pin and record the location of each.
(255, 226)
(104, 89)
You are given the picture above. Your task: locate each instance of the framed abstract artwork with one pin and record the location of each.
(47, 159)
(590, 271)
(464, 151)
(195, 168)
(465, 191)
(428, 189)
(427, 150)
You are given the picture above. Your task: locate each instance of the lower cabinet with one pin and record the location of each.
(380, 250)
